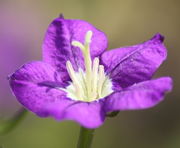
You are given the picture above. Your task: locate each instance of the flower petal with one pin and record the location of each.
(89, 115)
(137, 63)
(139, 96)
(57, 48)
(35, 84)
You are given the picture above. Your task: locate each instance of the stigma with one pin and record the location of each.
(92, 83)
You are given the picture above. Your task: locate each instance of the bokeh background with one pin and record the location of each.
(126, 22)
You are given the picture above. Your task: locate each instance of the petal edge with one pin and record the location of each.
(139, 96)
(133, 64)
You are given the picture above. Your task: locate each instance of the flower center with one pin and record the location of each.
(91, 84)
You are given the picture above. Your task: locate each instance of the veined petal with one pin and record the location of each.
(139, 96)
(134, 64)
(57, 48)
(36, 84)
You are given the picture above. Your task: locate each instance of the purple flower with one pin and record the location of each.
(78, 80)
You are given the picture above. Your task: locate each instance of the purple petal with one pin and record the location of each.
(35, 84)
(57, 48)
(89, 115)
(139, 96)
(134, 64)
(36, 87)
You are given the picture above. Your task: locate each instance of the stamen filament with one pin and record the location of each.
(88, 62)
(101, 79)
(73, 77)
(78, 44)
(91, 84)
(95, 77)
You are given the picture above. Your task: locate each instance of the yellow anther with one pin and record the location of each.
(88, 37)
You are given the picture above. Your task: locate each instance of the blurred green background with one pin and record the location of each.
(126, 22)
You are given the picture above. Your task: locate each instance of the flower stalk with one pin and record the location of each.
(85, 137)
(9, 125)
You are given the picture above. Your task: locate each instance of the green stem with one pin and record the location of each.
(10, 124)
(85, 138)
(112, 114)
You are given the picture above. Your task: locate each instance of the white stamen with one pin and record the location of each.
(101, 79)
(91, 84)
(78, 44)
(73, 77)
(95, 76)
(88, 37)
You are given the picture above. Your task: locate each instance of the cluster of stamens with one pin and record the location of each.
(92, 84)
